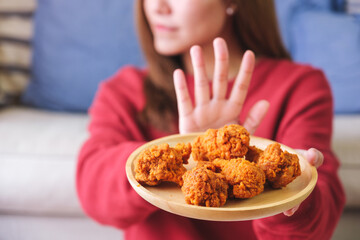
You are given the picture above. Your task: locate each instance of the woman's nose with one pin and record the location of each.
(163, 7)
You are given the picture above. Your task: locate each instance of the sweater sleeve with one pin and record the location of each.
(102, 186)
(307, 123)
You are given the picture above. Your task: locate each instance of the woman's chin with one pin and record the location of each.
(168, 50)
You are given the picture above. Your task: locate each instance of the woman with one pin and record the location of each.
(286, 102)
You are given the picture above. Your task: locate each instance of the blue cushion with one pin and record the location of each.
(320, 33)
(287, 10)
(331, 42)
(77, 44)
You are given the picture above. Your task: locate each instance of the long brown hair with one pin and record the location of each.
(255, 26)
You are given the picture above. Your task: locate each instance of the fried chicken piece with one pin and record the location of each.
(280, 167)
(246, 180)
(253, 154)
(231, 141)
(162, 163)
(204, 187)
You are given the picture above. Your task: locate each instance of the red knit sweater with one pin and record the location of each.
(300, 116)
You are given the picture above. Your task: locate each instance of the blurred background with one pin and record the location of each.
(54, 54)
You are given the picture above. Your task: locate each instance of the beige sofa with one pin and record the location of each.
(38, 200)
(38, 151)
(346, 144)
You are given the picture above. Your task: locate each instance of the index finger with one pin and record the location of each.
(184, 103)
(202, 93)
(242, 81)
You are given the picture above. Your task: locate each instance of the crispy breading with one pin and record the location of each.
(253, 154)
(280, 167)
(231, 141)
(245, 179)
(204, 187)
(185, 150)
(162, 164)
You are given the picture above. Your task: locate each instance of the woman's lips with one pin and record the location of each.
(164, 28)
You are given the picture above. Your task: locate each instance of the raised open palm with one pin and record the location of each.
(215, 110)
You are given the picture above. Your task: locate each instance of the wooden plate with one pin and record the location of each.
(169, 197)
